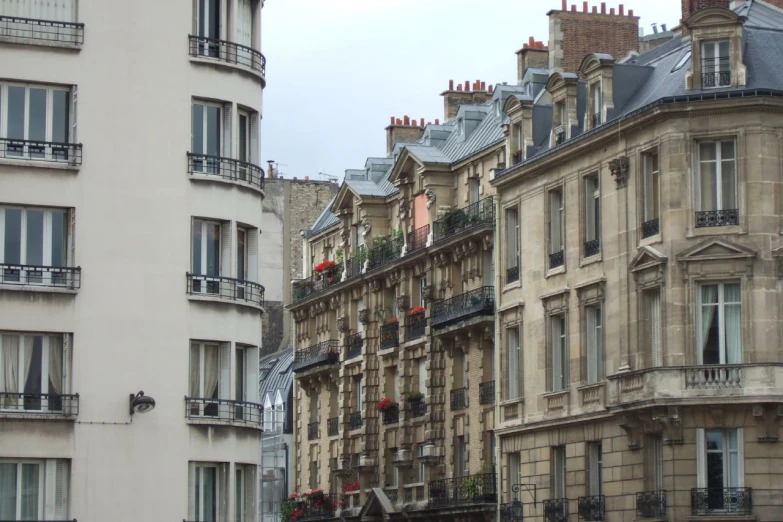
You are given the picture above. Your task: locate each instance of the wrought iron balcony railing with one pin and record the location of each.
(226, 168)
(228, 52)
(592, 247)
(480, 301)
(651, 228)
(332, 426)
(391, 415)
(458, 399)
(384, 253)
(487, 392)
(317, 283)
(225, 410)
(728, 501)
(354, 265)
(479, 214)
(418, 408)
(556, 259)
(471, 489)
(516, 157)
(312, 431)
(417, 325)
(392, 493)
(226, 288)
(556, 510)
(56, 405)
(317, 505)
(591, 509)
(69, 278)
(355, 420)
(44, 151)
(390, 335)
(45, 31)
(327, 352)
(651, 504)
(710, 80)
(355, 344)
(596, 119)
(717, 218)
(417, 240)
(512, 275)
(413, 492)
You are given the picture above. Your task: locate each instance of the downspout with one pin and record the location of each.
(496, 353)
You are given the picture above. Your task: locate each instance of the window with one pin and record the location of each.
(720, 339)
(244, 31)
(715, 64)
(595, 469)
(422, 375)
(33, 371)
(358, 393)
(594, 340)
(592, 215)
(517, 143)
(596, 97)
(650, 195)
(422, 466)
(239, 494)
(556, 235)
(245, 143)
(359, 307)
(514, 367)
(208, 366)
(474, 190)
(654, 459)
(558, 472)
(461, 127)
(38, 113)
(559, 353)
(653, 327)
(33, 237)
(422, 291)
(208, 26)
(460, 466)
(512, 245)
(34, 489)
(314, 474)
(513, 473)
(211, 242)
(717, 184)
(560, 122)
(207, 489)
(498, 109)
(720, 461)
(206, 132)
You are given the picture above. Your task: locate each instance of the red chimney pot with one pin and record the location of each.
(437, 121)
(611, 11)
(399, 121)
(565, 5)
(630, 12)
(422, 122)
(451, 85)
(573, 8)
(491, 89)
(595, 9)
(622, 10)
(531, 41)
(467, 86)
(584, 7)
(406, 120)
(392, 120)
(483, 86)
(459, 88)
(603, 7)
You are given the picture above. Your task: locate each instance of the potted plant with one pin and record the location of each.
(417, 310)
(385, 404)
(414, 396)
(475, 299)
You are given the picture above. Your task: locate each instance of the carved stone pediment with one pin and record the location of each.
(364, 316)
(403, 302)
(430, 195)
(717, 256)
(619, 169)
(343, 324)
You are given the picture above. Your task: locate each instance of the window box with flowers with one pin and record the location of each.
(310, 504)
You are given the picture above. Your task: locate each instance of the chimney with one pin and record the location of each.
(532, 54)
(575, 34)
(453, 98)
(402, 131)
(270, 171)
(689, 7)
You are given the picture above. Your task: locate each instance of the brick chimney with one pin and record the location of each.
(471, 93)
(403, 130)
(691, 6)
(573, 34)
(532, 54)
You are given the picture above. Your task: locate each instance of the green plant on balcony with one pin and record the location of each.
(469, 487)
(475, 299)
(413, 396)
(454, 219)
(339, 255)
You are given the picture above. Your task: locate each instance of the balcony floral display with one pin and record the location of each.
(385, 404)
(299, 505)
(417, 310)
(413, 396)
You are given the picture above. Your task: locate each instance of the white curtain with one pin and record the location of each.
(211, 369)
(707, 167)
(732, 308)
(194, 370)
(708, 309)
(8, 490)
(30, 481)
(56, 364)
(9, 382)
(29, 344)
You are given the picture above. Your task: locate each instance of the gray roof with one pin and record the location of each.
(365, 187)
(324, 221)
(428, 154)
(276, 375)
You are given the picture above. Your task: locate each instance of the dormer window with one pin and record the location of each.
(597, 98)
(560, 130)
(498, 111)
(715, 64)
(461, 126)
(517, 154)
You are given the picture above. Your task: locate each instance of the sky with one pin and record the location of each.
(337, 70)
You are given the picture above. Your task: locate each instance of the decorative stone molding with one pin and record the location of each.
(376, 285)
(430, 195)
(343, 324)
(428, 292)
(557, 402)
(367, 224)
(672, 425)
(648, 267)
(619, 169)
(403, 303)
(777, 255)
(556, 302)
(768, 418)
(364, 316)
(403, 208)
(630, 425)
(717, 257)
(591, 292)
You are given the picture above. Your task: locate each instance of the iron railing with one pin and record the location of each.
(226, 168)
(327, 352)
(312, 431)
(487, 392)
(230, 411)
(717, 218)
(516, 157)
(651, 228)
(391, 414)
(332, 426)
(417, 325)
(392, 493)
(390, 335)
(228, 52)
(418, 408)
(591, 509)
(471, 489)
(596, 120)
(355, 263)
(512, 275)
(60, 405)
(44, 151)
(417, 240)
(384, 253)
(592, 247)
(355, 420)
(226, 288)
(480, 301)
(459, 399)
(355, 344)
(41, 276)
(512, 511)
(710, 80)
(317, 505)
(413, 493)
(479, 214)
(556, 260)
(730, 501)
(49, 31)
(317, 283)
(556, 510)
(651, 504)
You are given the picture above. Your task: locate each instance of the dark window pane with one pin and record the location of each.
(198, 129)
(16, 102)
(13, 236)
(61, 117)
(213, 131)
(59, 238)
(37, 129)
(243, 137)
(197, 247)
(35, 225)
(213, 249)
(32, 383)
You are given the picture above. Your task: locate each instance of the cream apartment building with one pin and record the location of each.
(130, 207)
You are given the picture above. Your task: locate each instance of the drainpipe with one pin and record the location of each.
(496, 353)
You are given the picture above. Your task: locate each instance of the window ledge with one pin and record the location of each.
(208, 299)
(717, 231)
(30, 415)
(217, 179)
(222, 422)
(52, 165)
(595, 258)
(652, 240)
(229, 66)
(388, 351)
(18, 287)
(40, 43)
(512, 286)
(555, 271)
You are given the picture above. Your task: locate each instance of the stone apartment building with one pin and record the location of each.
(639, 319)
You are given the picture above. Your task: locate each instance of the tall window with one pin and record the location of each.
(650, 196)
(720, 339)
(460, 467)
(239, 494)
(652, 333)
(208, 26)
(244, 32)
(558, 472)
(720, 461)
(717, 184)
(559, 353)
(207, 368)
(206, 491)
(358, 393)
(556, 235)
(715, 64)
(595, 468)
(596, 97)
(422, 375)
(206, 132)
(592, 215)
(518, 143)
(33, 370)
(208, 247)
(314, 474)
(654, 462)
(35, 113)
(514, 367)
(244, 143)
(422, 290)
(33, 237)
(34, 489)
(422, 466)
(474, 190)
(359, 307)
(593, 331)
(512, 245)
(513, 473)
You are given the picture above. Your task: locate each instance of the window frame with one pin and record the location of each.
(239, 493)
(594, 343)
(558, 213)
(199, 467)
(20, 463)
(49, 127)
(559, 338)
(559, 472)
(595, 471)
(718, 161)
(509, 395)
(720, 306)
(513, 241)
(648, 331)
(213, 164)
(47, 236)
(591, 216)
(46, 347)
(596, 111)
(718, 60)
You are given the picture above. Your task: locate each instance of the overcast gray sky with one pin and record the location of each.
(338, 69)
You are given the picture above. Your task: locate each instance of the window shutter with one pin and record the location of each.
(701, 459)
(655, 326)
(224, 388)
(554, 222)
(740, 457)
(222, 491)
(225, 261)
(227, 152)
(66, 364)
(593, 476)
(71, 239)
(61, 490)
(254, 146)
(557, 362)
(192, 490)
(252, 254)
(251, 493)
(50, 489)
(592, 367)
(252, 374)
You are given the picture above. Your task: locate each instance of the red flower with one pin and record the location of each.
(391, 320)
(384, 404)
(417, 310)
(320, 267)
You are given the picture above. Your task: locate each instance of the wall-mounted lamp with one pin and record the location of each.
(141, 403)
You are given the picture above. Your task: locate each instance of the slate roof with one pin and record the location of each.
(275, 374)
(324, 221)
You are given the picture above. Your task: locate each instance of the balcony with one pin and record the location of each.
(556, 260)
(390, 335)
(417, 240)
(516, 157)
(471, 489)
(459, 399)
(651, 504)
(225, 289)
(591, 509)
(227, 52)
(418, 408)
(33, 276)
(355, 344)
(317, 505)
(312, 431)
(479, 214)
(556, 510)
(592, 247)
(711, 80)
(355, 262)
(512, 275)
(316, 283)
(413, 493)
(332, 426)
(392, 493)
(417, 325)
(478, 302)
(384, 253)
(327, 352)
(722, 501)
(391, 415)
(49, 405)
(68, 154)
(487, 393)
(717, 218)
(355, 421)
(651, 228)
(211, 411)
(42, 32)
(226, 169)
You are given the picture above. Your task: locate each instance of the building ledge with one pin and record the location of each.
(28, 415)
(230, 182)
(36, 289)
(242, 304)
(51, 165)
(722, 518)
(216, 62)
(40, 43)
(223, 422)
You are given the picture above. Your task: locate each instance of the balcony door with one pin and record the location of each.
(720, 329)
(33, 239)
(209, 27)
(206, 255)
(244, 34)
(206, 137)
(204, 379)
(720, 461)
(32, 374)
